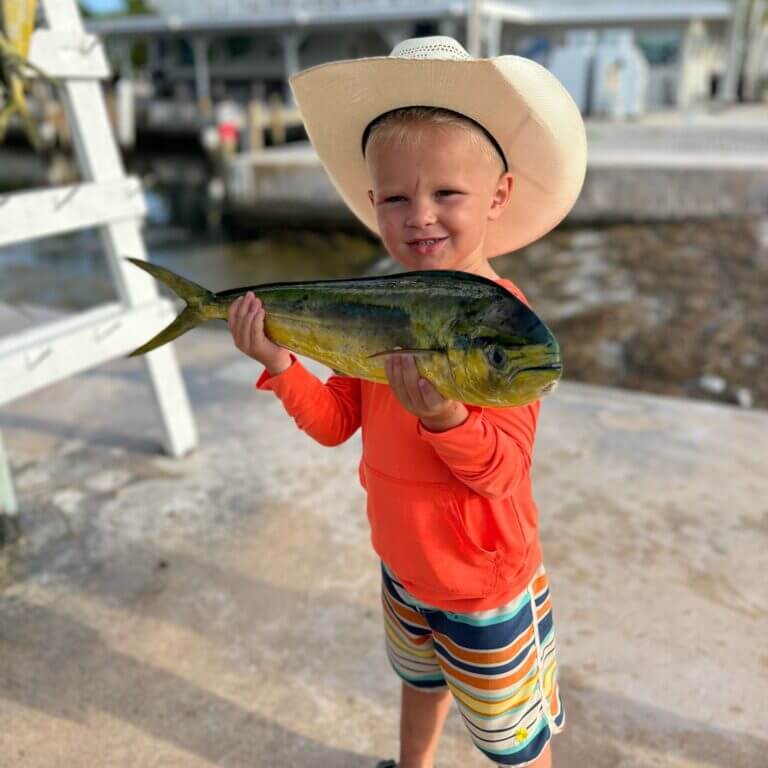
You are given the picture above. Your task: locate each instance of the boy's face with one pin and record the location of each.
(435, 196)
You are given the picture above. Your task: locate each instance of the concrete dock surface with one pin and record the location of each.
(223, 609)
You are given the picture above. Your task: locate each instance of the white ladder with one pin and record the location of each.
(112, 202)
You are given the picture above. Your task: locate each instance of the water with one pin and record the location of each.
(70, 272)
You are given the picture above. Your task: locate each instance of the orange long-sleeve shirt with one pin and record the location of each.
(452, 513)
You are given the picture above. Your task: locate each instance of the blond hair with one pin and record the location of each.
(394, 127)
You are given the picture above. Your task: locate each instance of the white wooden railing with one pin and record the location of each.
(113, 203)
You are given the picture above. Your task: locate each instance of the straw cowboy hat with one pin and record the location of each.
(521, 105)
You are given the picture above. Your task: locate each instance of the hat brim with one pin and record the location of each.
(522, 104)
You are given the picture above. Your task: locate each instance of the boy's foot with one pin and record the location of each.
(386, 764)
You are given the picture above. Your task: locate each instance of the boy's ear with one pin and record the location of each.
(370, 195)
(501, 195)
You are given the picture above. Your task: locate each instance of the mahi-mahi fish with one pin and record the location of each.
(471, 338)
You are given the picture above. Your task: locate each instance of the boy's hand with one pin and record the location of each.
(419, 397)
(246, 323)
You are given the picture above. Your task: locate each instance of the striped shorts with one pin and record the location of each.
(499, 665)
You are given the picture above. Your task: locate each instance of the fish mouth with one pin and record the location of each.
(542, 385)
(553, 367)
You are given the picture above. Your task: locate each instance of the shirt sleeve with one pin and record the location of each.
(491, 451)
(329, 413)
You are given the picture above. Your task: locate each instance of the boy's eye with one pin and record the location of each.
(394, 199)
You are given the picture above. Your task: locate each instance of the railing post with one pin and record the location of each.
(290, 42)
(8, 505)
(202, 75)
(474, 17)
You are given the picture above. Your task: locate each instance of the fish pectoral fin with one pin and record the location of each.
(403, 351)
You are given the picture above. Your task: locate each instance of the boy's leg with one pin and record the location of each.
(544, 760)
(500, 665)
(422, 715)
(425, 699)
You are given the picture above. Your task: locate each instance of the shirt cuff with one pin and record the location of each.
(461, 439)
(276, 382)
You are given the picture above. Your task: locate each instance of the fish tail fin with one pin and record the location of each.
(195, 296)
(185, 321)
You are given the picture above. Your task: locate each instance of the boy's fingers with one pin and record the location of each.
(403, 364)
(244, 323)
(245, 319)
(232, 319)
(242, 303)
(240, 313)
(232, 313)
(432, 398)
(404, 386)
(411, 378)
(390, 369)
(257, 329)
(239, 334)
(403, 377)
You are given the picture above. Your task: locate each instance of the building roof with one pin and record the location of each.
(215, 15)
(307, 13)
(541, 12)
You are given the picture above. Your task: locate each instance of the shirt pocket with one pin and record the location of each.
(417, 530)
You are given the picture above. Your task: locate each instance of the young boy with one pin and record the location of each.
(494, 160)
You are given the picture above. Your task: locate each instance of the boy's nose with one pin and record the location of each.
(421, 214)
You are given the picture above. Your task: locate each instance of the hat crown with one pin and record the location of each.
(437, 47)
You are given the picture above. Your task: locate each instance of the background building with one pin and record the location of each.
(629, 57)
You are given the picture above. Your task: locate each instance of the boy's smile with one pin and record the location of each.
(434, 195)
(428, 246)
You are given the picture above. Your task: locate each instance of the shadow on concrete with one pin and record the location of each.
(142, 580)
(35, 670)
(202, 392)
(231, 609)
(603, 727)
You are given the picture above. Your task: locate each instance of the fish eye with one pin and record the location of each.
(497, 357)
